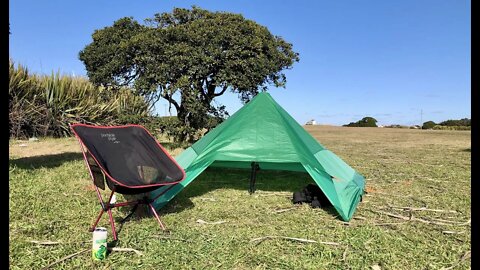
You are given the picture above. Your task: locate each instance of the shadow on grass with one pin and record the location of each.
(467, 150)
(221, 178)
(142, 211)
(239, 179)
(225, 178)
(46, 161)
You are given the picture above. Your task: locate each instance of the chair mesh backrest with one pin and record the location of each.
(129, 155)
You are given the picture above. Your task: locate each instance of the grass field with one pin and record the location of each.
(52, 199)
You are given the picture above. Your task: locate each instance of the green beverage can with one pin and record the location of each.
(99, 244)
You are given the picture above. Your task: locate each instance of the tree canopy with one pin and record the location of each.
(428, 125)
(462, 122)
(364, 122)
(189, 57)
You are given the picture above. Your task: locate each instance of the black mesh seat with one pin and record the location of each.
(128, 159)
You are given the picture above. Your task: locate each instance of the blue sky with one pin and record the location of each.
(386, 59)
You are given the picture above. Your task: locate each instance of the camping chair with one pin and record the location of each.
(130, 161)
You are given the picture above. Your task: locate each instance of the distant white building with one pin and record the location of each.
(311, 122)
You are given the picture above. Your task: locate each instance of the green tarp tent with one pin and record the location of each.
(263, 132)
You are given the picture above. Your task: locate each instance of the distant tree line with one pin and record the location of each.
(461, 124)
(364, 122)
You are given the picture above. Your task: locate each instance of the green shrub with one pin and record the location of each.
(440, 127)
(46, 105)
(428, 125)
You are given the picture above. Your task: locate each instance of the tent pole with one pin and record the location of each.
(253, 176)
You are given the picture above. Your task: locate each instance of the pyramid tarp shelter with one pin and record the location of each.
(263, 132)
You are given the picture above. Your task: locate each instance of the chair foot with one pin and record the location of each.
(156, 216)
(112, 222)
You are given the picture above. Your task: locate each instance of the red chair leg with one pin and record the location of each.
(112, 223)
(156, 216)
(96, 222)
(109, 210)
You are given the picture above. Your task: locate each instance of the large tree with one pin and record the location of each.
(189, 57)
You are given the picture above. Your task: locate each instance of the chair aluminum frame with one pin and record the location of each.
(106, 205)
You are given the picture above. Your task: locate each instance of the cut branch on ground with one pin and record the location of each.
(302, 240)
(284, 210)
(421, 209)
(453, 232)
(139, 253)
(412, 218)
(201, 221)
(65, 258)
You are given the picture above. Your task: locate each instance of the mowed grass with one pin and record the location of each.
(51, 199)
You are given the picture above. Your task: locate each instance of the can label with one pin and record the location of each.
(99, 244)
